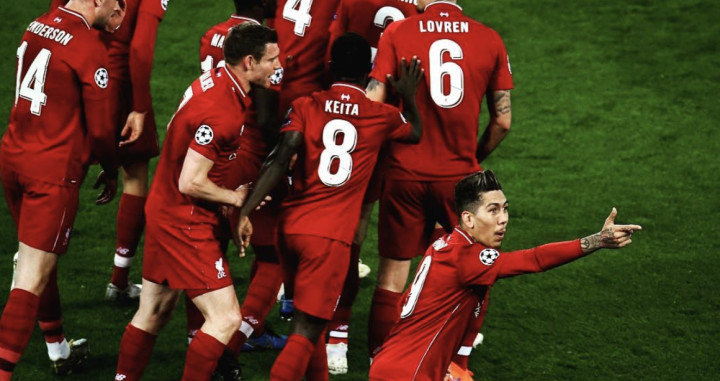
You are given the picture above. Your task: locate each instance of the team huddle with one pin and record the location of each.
(292, 132)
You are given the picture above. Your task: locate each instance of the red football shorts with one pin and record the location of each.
(147, 145)
(43, 213)
(184, 257)
(317, 267)
(408, 213)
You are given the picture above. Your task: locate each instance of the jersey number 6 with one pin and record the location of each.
(453, 95)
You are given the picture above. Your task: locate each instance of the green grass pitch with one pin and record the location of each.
(615, 104)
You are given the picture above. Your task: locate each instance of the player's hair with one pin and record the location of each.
(350, 57)
(247, 39)
(242, 6)
(469, 190)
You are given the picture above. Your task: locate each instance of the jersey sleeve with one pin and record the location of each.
(386, 58)
(142, 49)
(400, 129)
(210, 136)
(502, 75)
(156, 8)
(483, 266)
(295, 119)
(93, 74)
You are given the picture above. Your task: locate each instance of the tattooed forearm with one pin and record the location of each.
(590, 243)
(501, 102)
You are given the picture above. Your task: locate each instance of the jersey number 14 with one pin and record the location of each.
(32, 87)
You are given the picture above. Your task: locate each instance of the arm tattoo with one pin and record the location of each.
(590, 243)
(501, 102)
(373, 84)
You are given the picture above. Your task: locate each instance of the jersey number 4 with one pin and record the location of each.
(334, 151)
(32, 87)
(298, 11)
(446, 73)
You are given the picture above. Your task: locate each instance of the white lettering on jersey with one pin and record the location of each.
(336, 107)
(206, 81)
(217, 40)
(433, 26)
(54, 34)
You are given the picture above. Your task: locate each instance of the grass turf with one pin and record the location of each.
(613, 106)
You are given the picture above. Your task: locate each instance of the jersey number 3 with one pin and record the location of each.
(32, 87)
(334, 151)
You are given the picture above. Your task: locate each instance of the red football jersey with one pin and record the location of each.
(463, 59)
(343, 133)
(209, 120)
(211, 43)
(302, 27)
(369, 18)
(60, 100)
(453, 275)
(139, 28)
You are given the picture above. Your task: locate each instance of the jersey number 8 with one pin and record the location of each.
(334, 151)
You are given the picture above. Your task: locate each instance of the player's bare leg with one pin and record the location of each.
(156, 307)
(304, 353)
(392, 276)
(16, 324)
(130, 225)
(222, 319)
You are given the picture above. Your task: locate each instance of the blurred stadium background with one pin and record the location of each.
(615, 104)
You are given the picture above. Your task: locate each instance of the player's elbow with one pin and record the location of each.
(503, 122)
(189, 186)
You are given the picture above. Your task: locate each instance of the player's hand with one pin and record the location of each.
(133, 127)
(611, 236)
(116, 18)
(241, 194)
(109, 184)
(410, 76)
(242, 234)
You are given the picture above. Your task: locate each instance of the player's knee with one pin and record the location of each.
(231, 321)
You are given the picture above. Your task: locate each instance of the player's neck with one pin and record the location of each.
(241, 76)
(83, 7)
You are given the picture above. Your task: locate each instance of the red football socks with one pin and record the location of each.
(49, 313)
(317, 369)
(384, 312)
(262, 293)
(202, 357)
(16, 326)
(135, 350)
(340, 324)
(195, 318)
(293, 360)
(130, 225)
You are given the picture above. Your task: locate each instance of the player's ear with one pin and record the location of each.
(467, 219)
(248, 62)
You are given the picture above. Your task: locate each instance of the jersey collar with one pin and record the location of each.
(464, 235)
(247, 19)
(236, 86)
(87, 24)
(444, 3)
(350, 85)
